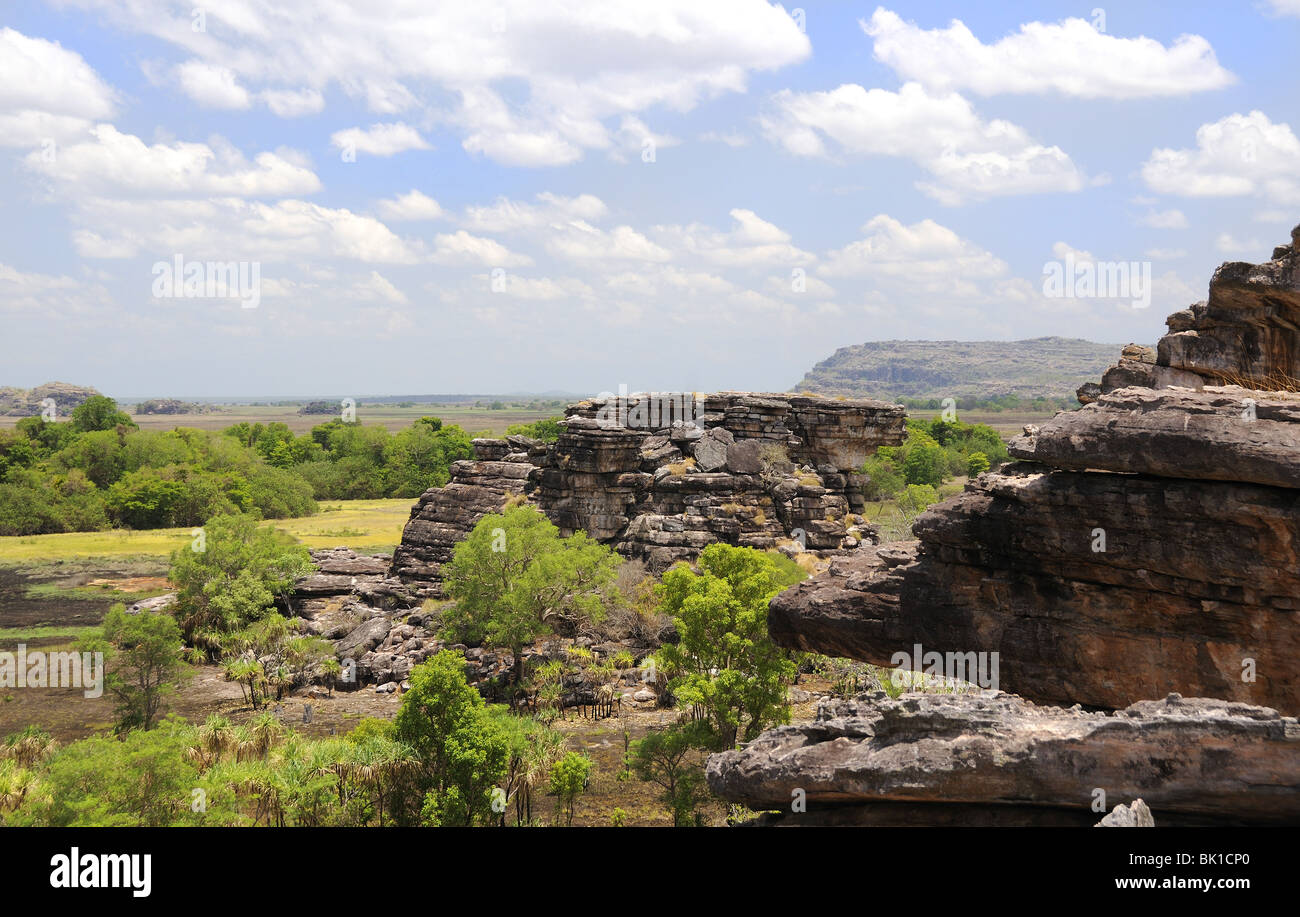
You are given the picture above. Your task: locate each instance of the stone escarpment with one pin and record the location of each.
(662, 476)
(1144, 545)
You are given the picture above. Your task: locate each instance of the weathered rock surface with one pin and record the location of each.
(941, 759)
(444, 515)
(1152, 545)
(1217, 434)
(1247, 332)
(1134, 815)
(1196, 580)
(19, 402)
(662, 476)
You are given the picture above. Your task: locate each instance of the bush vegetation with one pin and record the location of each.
(98, 469)
(933, 452)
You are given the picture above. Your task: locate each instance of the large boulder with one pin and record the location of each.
(710, 450)
(953, 758)
(1247, 332)
(1217, 434)
(1094, 588)
(1134, 815)
(364, 637)
(1149, 543)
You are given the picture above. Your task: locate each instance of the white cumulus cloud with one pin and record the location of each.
(379, 139)
(969, 158)
(1237, 155)
(211, 86)
(1072, 57)
(413, 205)
(110, 160)
(47, 92)
(524, 83)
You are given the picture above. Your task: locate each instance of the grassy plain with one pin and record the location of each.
(481, 421)
(362, 524)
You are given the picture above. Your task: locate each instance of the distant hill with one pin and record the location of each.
(21, 402)
(1050, 367)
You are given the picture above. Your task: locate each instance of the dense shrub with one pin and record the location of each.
(102, 470)
(932, 452)
(548, 430)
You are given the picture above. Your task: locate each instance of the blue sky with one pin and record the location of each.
(517, 197)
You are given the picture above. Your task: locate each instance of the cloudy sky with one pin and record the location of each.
(530, 196)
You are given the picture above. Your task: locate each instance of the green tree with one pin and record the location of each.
(569, 777)
(548, 430)
(925, 461)
(100, 454)
(99, 412)
(148, 663)
(917, 497)
(978, 463)
(670, 759)
(515, 580)
(236, 577)
(461, 755)
(420, 456)
(33, 502)
(47, 435)
(884, 478)
(143, 779)
(725, 662)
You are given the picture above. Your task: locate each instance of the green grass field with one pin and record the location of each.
(479, 421)
(360, 524)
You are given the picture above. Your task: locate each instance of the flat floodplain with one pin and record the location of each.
(480, 420)
(359, 524)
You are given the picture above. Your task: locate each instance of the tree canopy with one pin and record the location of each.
(724, 661)
(514, 579)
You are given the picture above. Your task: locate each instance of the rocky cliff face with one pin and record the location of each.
(662, 476)
(1146, 544)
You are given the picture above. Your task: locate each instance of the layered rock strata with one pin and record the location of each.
(1148, 543)
(1247, 332)
(661, 476)
(996, 759)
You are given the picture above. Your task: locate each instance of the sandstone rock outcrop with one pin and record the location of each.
(661, 476)
(1197, 587)
(1147, 544)
(19, 402)
(1150, 543)
(1216, 434)
(1247, 332)
(444, 515)
(996, 759)
(1134, 815)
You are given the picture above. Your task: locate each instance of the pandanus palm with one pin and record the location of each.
(253, 782)
(266, 731)
(376, 764)
(16, 783)
(545, 747)
(213, 740)
(29, 747)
